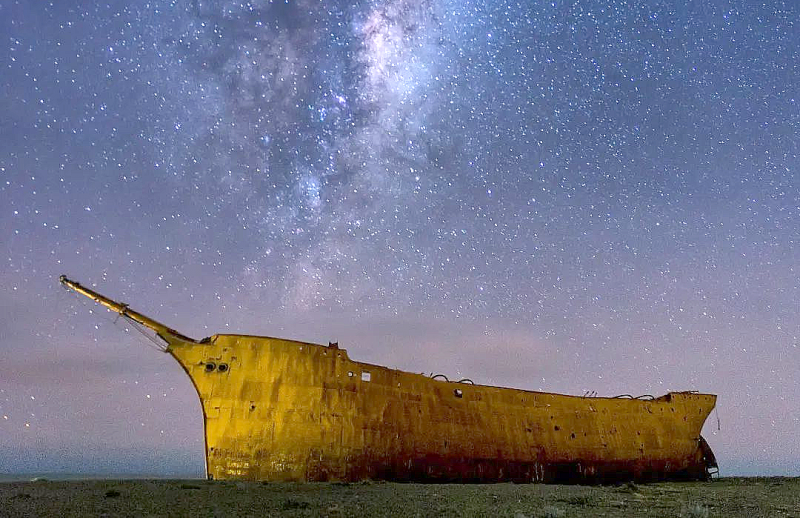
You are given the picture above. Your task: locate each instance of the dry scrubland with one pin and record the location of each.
(725, 497)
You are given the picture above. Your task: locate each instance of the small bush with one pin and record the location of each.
(581, 500)
(550, 511)
(695, 511)
(112, 493)
(628, 487)
(291, 503)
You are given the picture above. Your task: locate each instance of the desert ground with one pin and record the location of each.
(726, 497)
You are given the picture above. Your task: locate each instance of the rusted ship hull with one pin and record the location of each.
(280, 410)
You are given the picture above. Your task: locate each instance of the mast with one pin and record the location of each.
(166, 333)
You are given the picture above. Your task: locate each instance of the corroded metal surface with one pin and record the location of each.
(282, 410)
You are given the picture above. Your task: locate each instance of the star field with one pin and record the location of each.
(559, 196)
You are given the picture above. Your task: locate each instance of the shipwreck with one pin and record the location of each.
(283, 410)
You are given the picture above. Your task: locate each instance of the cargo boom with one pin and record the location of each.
(282, 410)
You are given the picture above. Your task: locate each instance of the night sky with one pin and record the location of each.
(560, 196)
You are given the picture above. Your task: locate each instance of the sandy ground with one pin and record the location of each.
(750, 497)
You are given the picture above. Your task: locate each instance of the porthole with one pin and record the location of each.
(223, 367)
(210, 366)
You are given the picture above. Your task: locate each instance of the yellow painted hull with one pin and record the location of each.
(281, 410)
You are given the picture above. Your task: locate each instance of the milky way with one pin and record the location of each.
(572, 197)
